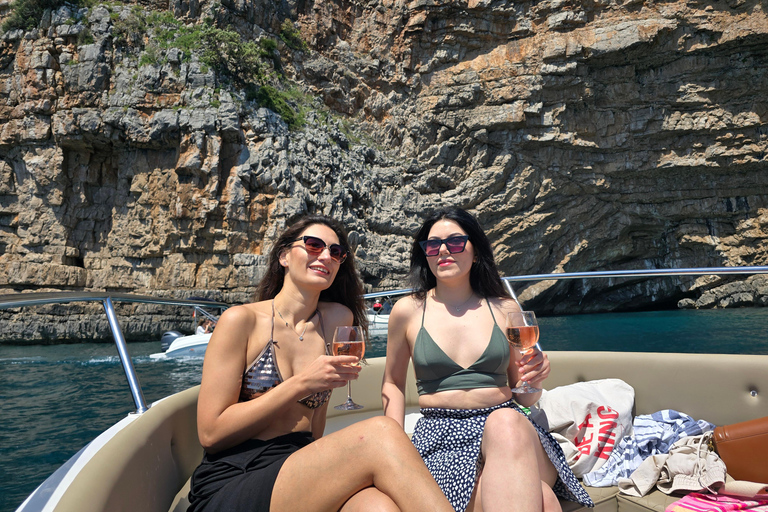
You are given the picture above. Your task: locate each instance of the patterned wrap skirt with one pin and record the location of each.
(449, 442)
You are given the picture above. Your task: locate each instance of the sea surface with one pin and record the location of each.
(56, 399)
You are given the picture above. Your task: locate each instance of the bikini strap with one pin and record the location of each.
(272, 332)
(489, 307)
(424, 311)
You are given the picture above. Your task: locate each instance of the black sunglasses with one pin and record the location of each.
(315, 246)
(454, 244)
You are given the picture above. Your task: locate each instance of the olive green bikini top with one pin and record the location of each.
(435, 371)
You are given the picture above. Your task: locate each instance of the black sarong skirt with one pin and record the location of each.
(242, 477)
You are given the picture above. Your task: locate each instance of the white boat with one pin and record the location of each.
(193, 345)
(176, 344)
(144, 462)
(378, 313)
(377, 323)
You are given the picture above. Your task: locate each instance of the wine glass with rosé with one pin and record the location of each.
(523, 334)
(348, 341)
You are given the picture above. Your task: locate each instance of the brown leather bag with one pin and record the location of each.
(744, 449)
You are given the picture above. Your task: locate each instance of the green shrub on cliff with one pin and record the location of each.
(252, 66)
(291, 36)
(278, 102)
(128, 31)
(26, 14)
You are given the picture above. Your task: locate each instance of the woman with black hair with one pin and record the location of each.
(479, 445)
(267, 378)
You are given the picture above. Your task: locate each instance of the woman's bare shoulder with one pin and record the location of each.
(504, 304)
(406, 307)
(244, 315)
(335, 313)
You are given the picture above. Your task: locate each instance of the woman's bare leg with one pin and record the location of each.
(370, 499)
(551, 503)
(374, 452)
(515, 464)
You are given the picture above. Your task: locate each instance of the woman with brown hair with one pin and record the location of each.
(267, 378)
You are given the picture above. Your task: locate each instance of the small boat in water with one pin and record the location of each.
(175, 344)
(193, 345)
(378, 323)
(144, 462)
(378, 312)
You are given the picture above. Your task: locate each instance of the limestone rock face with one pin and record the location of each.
(600, 136)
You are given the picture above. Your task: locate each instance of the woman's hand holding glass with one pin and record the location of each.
(348, 341)
(523, 334)
(329, 372)
(534, 367)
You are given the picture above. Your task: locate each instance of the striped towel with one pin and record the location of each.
(652, 434)
(696, 502)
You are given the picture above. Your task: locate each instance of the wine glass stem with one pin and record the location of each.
(349, 390)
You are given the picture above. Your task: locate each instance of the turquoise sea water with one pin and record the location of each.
(56, 399)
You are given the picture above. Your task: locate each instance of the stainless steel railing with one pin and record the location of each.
(41, 298)
(702, 271)
(106, 298)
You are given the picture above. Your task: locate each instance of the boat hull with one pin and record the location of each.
(145, 465)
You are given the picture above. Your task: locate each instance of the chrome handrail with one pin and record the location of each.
(125, 358)
(659, 272)
(41, 298)
(702, 271)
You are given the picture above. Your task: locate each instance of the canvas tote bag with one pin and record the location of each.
(588, 419)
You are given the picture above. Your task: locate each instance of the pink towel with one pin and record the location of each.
(696, 502)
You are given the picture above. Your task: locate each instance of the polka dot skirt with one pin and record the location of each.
(449, 442)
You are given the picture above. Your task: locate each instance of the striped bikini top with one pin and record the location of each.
(263, 374)
(436, 371)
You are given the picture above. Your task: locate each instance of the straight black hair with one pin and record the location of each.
(346, 289)
(483, 276)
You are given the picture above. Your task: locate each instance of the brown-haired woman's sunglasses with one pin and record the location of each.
(315, 246)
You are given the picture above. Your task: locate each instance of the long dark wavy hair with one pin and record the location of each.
(347, 288)
(483, 276)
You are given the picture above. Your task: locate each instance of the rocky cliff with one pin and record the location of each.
(137, 152)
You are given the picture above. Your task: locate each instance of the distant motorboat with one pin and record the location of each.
(377, 323)
(193, 345)
(176, 344)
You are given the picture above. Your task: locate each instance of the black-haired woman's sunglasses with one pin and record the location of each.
(454, 244)
(315, 246)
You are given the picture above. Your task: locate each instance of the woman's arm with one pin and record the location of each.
(398, 356)
(224, 422)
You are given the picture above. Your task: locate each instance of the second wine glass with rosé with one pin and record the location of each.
(348, 341)
(523, 334)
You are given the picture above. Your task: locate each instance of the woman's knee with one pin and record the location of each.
(378, 431)
(370, 499)
(379, 427)
(508, 426)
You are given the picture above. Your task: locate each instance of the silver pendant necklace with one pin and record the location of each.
(306, 324)
(459, 307)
